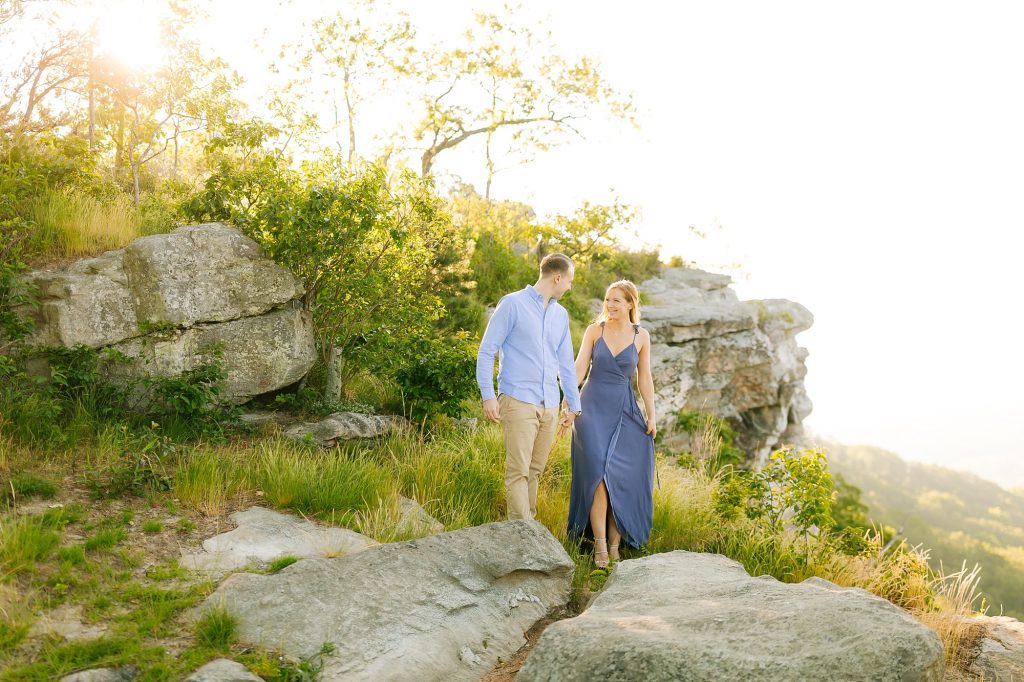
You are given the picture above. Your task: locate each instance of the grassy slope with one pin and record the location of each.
(958, 516)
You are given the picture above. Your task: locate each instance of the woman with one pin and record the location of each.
(613, 441)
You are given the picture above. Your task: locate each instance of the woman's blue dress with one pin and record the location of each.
(610, 443)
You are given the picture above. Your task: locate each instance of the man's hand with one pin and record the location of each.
(566, 422)
(492, 411)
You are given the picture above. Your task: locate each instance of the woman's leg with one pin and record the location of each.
(598, 516)
(614, 537)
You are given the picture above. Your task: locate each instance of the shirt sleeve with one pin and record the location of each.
(498, 328)
(567, 370)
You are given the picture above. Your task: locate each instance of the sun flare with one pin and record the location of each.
(129, 32)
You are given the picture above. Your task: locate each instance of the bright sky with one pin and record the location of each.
(864, 159)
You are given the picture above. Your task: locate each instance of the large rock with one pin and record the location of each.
(1001, 652)
(689, 616)
(345, 426)
(263, 535)
(168, 301)
(260, 354)
(87, 303)
(223, 670)
(125, 674)
(204, 273)
(737, 360)
(446, 607)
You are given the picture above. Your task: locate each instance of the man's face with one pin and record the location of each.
(563, 283)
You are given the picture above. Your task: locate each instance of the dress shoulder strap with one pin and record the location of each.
(602, 328)
(636, 330)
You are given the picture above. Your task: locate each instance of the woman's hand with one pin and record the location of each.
(652, 426)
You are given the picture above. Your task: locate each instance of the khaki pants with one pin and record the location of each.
(529, 434)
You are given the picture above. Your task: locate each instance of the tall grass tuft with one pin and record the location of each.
(345, 479)
(24, 540)
(216, 628)
(956, 596)
(206, 479)
(72, 223)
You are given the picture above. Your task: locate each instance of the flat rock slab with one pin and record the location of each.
(264, 535)
(345, 426)
(125, 674)
(444, 607)
(1001, 656)
(223, 670)
(689, 616)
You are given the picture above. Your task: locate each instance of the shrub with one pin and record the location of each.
(437, 375)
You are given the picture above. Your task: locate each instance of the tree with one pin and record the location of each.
(504, 79)
(355, 54)
(30, 86)
(145, 114)
(372, 255)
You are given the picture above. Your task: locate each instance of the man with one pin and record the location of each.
(532, 331)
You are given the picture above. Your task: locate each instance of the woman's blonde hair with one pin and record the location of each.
(632, 295)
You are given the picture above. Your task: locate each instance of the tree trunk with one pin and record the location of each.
(335, 367)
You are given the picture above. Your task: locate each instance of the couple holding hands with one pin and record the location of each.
(612, 439)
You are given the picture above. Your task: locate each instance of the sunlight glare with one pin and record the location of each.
(130, 33)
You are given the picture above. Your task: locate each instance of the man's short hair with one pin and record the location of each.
(555, 264)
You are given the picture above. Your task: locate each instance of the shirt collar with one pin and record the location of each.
(537, 296)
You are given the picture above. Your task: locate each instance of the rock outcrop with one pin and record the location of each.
(1000, 655)
(689, 616)
(345, 426)
(263, 535)
(737, 360)
(169, 302)
(446, 607)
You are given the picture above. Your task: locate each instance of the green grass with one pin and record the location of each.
(28, 485)
(105, 538)
(24, 541)
(216, 629)
(70, 222)
(152, 526)
(280, 563)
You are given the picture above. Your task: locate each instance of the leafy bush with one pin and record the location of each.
(437, 375)
(140, 466)
(191, 404)
(794, 487)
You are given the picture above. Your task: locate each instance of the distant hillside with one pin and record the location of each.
(956, 514)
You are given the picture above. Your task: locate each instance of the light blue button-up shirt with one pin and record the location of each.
(536, 351)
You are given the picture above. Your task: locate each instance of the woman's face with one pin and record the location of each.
(616, 304)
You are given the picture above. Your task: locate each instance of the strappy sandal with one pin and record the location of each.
(613, 552)
(601, 563)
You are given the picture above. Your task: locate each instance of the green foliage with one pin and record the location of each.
(27, 485)
(216, 629)
(105, 538)
(280, 563)
(712, 442)
(437, 375)
(152, 526)
(342, 481)
(138, 467)
(309, 401)
(956, 515)
(25, 540)
(190, 404)
(847, 509)
(794, 487)
(373, 254)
